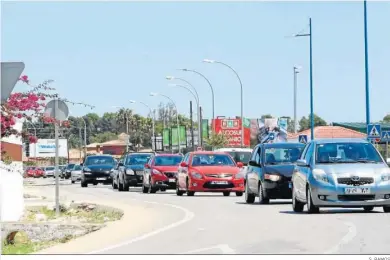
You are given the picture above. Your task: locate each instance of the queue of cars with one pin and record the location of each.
(348, 173)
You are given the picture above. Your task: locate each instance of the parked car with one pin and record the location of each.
(75, 174)
(161, 173)
(68, 170)
(97, 169)
(269, 171)
(204, 171)
(341, 173)
(49, 171)
(39, 172)
(131, 170)
(30, 171)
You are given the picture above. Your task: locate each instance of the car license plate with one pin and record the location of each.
(357, 191)
(172, 180)
(290, 185)
(219, 182)
(100, 179)
(140, 172)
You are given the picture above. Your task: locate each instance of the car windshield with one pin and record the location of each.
(282, 155)
(212, 160)
(99, 160)
(77, 168)
(50, 168)
(241, 156)
(70, 166)
(138, 159)
(347, 153)
(168, 160)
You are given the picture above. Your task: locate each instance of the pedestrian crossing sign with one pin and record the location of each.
(385, 137)
(374, 131)
(302, 139)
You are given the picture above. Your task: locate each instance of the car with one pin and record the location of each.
(68, 170)
(39, 172)
(161, 173)
(131, 170)
(204, 171)
(30, 172)
(97, 169)
(347, 173)
(75, 174)
(269, 171)
(239, 154)
(49, 171)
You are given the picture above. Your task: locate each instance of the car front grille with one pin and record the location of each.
(219, 175)
(361, 181)
(356, 197)
(208, 185)
(139, 172)
(170, 174)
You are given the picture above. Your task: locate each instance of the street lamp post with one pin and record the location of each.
(153, 94)
(310, 35)
(197, 105)
(296, 71)
(198, 102)
(127, 127)
(85, 136)
(153, 118)
(366, 65)
(242, 96)
(211, 87)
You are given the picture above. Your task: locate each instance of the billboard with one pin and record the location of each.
(205, 128)
(260, 129)
(45, 148)
(231, 128)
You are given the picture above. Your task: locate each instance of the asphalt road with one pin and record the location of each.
(213, 224)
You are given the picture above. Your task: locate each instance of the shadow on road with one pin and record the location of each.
(336, 211)
(264, 205)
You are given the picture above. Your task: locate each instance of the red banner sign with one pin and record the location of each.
(231, 128)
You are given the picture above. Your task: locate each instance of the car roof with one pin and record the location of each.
(208, 152)
(339, 140)
(234, 150)
(168, 154)
(151, 153)
(283, 145)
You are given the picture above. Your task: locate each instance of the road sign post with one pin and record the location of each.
(302, 139)
(374, 131)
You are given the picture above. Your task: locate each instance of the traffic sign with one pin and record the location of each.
(271, 136)
(374, 131)
(302, 139)
(385, 136)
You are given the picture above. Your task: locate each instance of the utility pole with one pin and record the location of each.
(192, 128)
(81, 143)
(200, 141)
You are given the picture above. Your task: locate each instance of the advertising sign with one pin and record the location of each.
(205, 128)
(166, 137)
(231, 128)
(45, 148)
(273, 128)
(183, 136)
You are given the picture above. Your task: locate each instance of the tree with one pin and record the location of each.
(266, 116)
(304, 123)
(217, 140)
(386, 119)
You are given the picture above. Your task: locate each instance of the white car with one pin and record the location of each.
(239, 154)
(75, 174)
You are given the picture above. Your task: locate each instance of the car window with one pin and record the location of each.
(50, 168)
(309, 153)
(281, 155)
(167, 160)
(303, 154)
(70, 166)
(77, 168)
(257, 157)
(99, 160)
(212, 160)
(138, 159)
(187, 158)
(240, 156)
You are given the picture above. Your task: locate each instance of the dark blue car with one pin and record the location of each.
(131, 170)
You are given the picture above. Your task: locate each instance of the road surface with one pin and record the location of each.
(214, 224)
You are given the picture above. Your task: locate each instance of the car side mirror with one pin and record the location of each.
(240, 165)
(302, 163)
(183, 164)
(253, 163)
(147, 166)
(120, 164)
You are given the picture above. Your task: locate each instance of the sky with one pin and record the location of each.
(107, 53)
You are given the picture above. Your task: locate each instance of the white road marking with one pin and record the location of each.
(188, 217)
(224, 248)
(352, 232)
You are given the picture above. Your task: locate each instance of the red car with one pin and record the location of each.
(161, 173)
(203, 171)
(39, 172)
(30, 172)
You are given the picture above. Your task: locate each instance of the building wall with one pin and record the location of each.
(114, 149)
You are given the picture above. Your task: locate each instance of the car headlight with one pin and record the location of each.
(196, 175)
(271, 177)
(320, 175)
(129, 172)
(86, 169)
(239, 176)
(386, 177)
(156, 172)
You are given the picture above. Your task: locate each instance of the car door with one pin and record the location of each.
(303, 172)
(252, 176)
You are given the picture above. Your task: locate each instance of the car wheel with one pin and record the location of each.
(126, 186)
(296, 204)
(226, 193)
(95, 183)
(239, 193)
(84, 184)
(262, 198)
(311, 208)
(368, 208)
(163, 189)
(73, 181)
(386, 209)
(144, 189)
(249, 197)
(151, 189)
(190, 193)
(178, 191)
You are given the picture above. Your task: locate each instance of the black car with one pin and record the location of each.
(97, 169)
(269, 171)
(131, 170)
(68, 169)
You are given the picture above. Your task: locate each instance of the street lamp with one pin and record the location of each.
(211, 87)
(242, 97)
(153, 118)
(154, 94)
(366, 65)
(197, 105)
(310, 35)
(127, 127)
(296, 71)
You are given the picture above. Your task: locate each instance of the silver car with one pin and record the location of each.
(49, 171)
(348, 173)
(75, 174)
